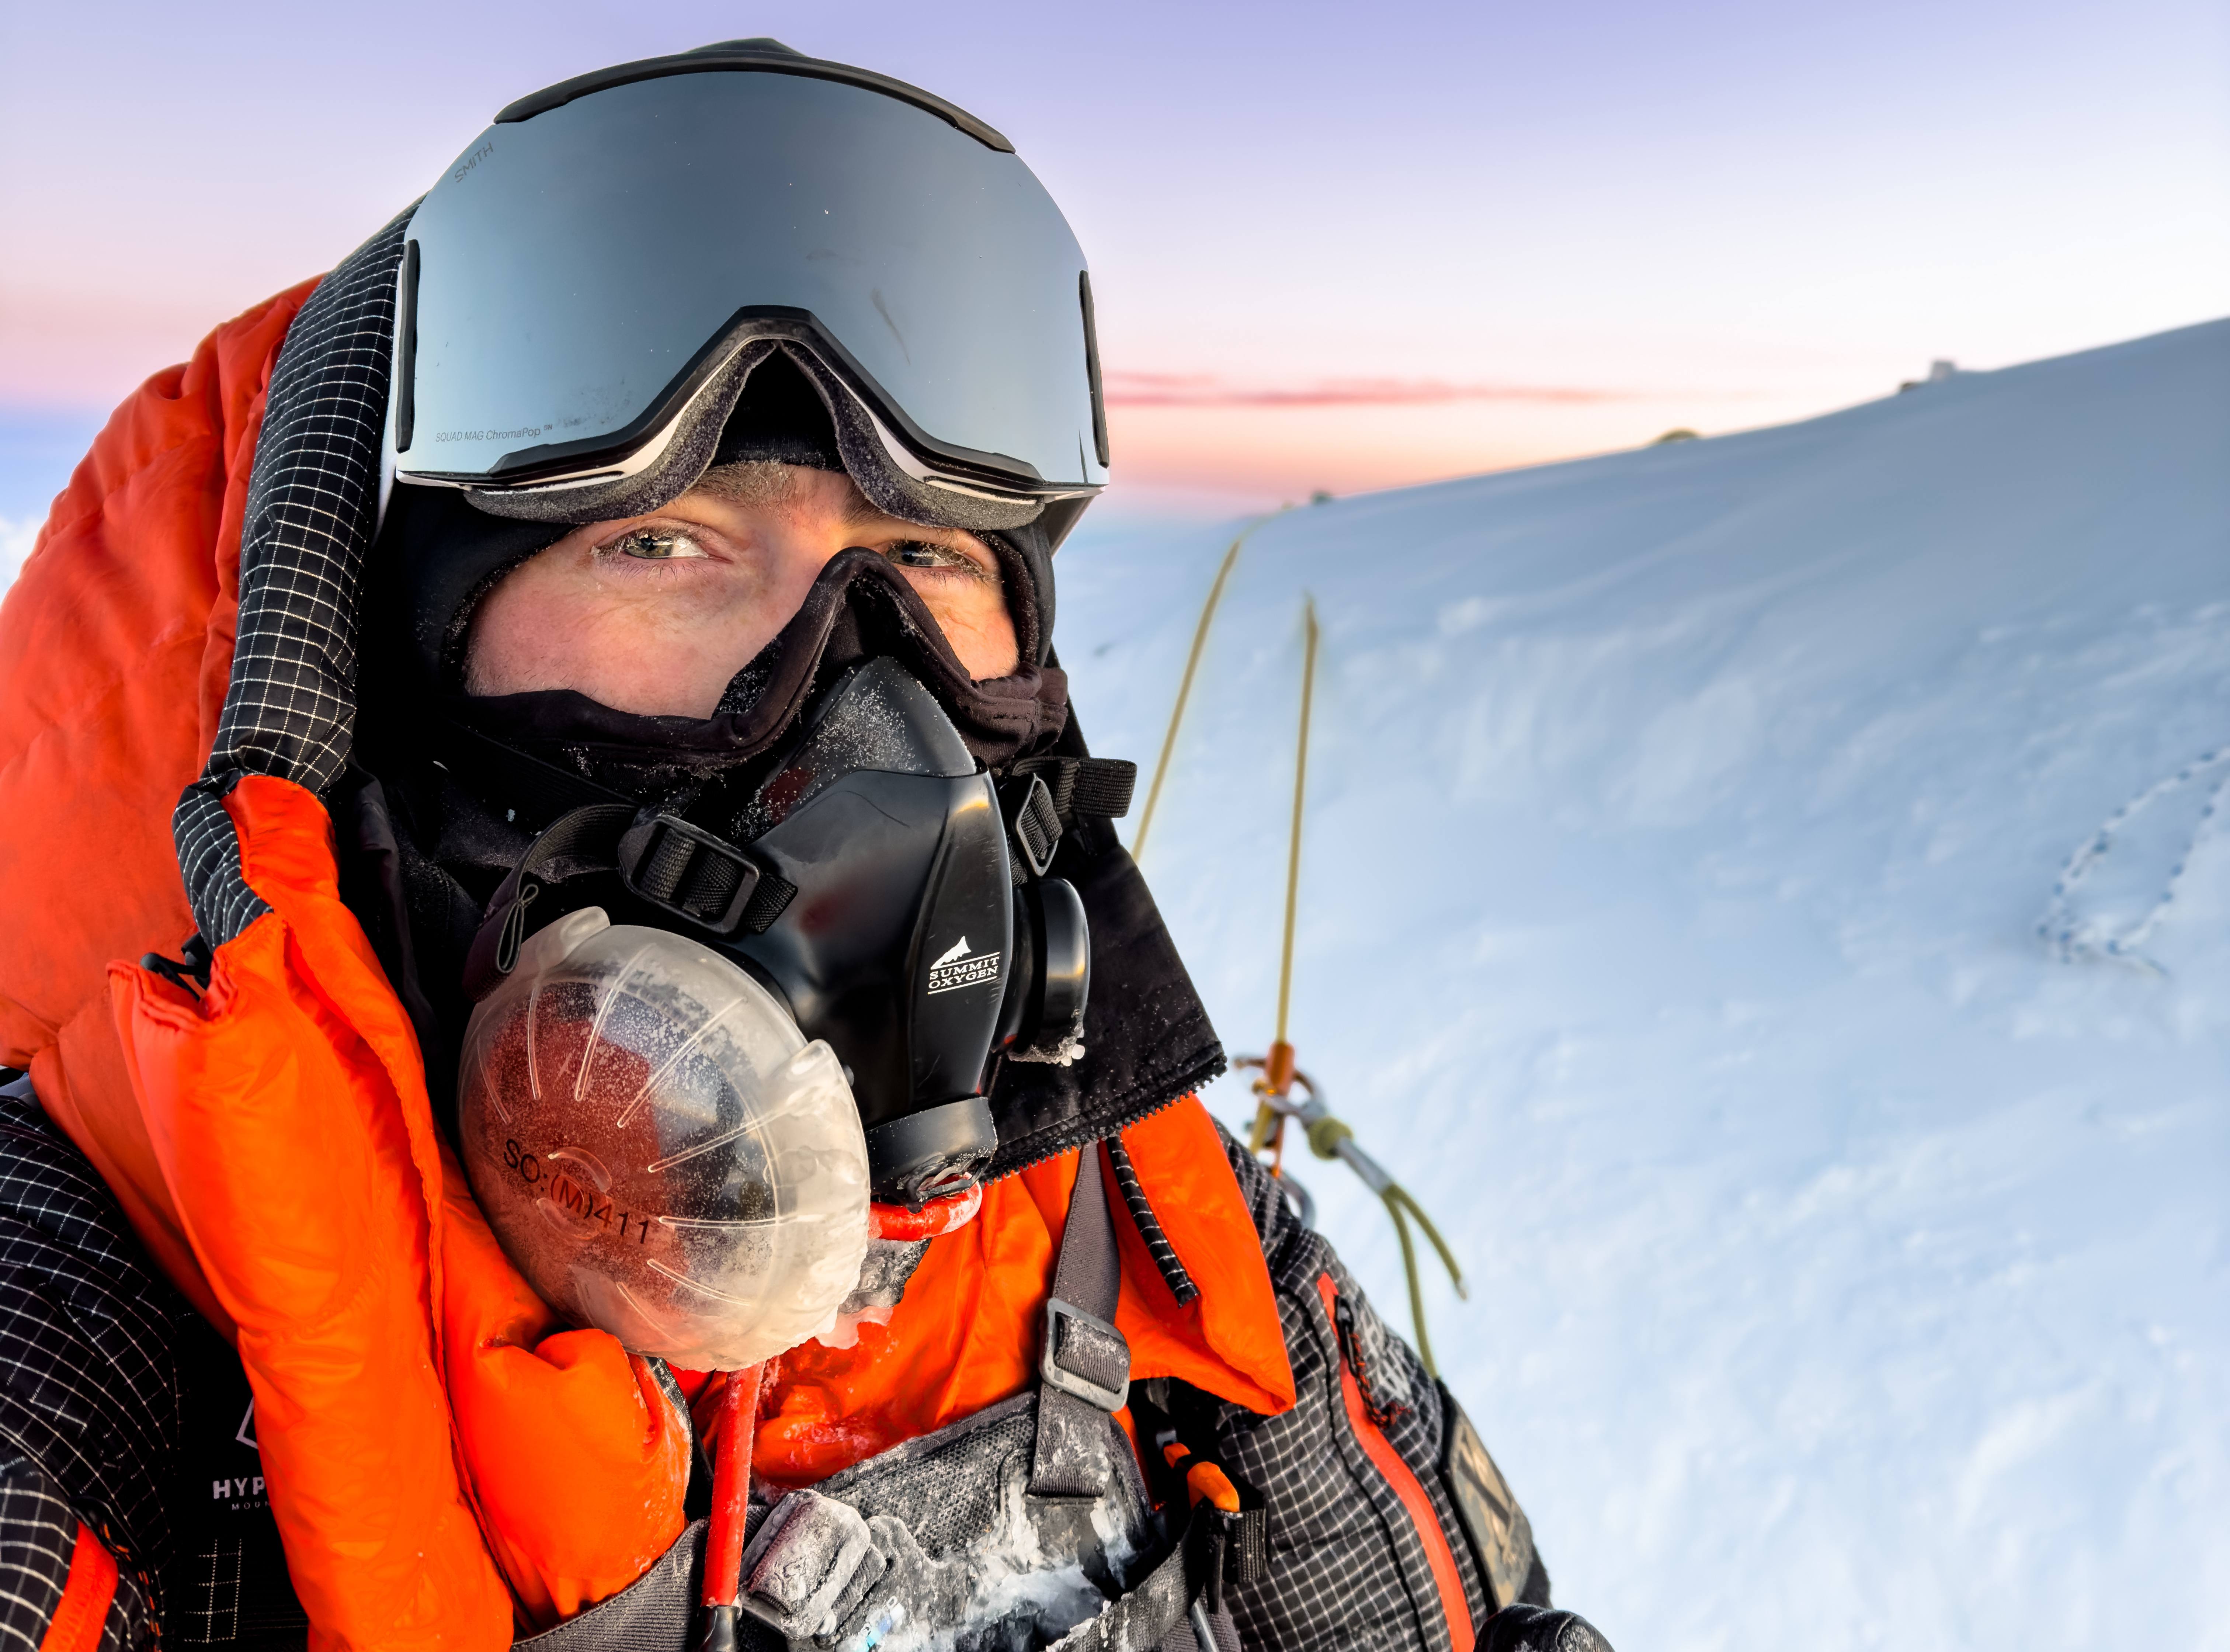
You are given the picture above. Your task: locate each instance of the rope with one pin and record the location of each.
(1326, 1133)
(1329, 1139)
(1266, 1116)
(1184, 685)
(1398, 1199)
(1300, 790)
(1278, 1071)
(1326, 1136)
(1416, 1290)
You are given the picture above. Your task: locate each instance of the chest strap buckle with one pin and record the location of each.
(1084, 1356)
(687, 871)
(808, 1565)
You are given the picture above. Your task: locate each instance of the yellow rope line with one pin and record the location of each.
(1324, 1133)
(1300, 791)
(1416, 1286)
(1184, 685)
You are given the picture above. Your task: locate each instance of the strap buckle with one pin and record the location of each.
(687, 871)
(810, 1561)
(1036, 823)
(1083, 1354)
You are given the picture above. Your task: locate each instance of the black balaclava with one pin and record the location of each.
(464, 782)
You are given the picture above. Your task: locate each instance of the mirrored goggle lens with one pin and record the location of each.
(579, 274)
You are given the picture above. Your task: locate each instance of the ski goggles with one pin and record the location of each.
(585, 291)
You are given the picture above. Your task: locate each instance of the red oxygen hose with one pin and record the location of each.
(731, 1499)
(739, 1418)
(937, 1216)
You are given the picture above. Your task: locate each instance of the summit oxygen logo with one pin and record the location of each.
(960, 968)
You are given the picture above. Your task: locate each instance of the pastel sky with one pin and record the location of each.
(1335, 246)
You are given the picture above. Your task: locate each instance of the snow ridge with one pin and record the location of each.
(1766, 895)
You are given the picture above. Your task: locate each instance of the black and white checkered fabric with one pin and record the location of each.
(1347, 1568)
(38, 1537)
(89, 1392)
(1173, 1270)
(233, 1590)
(38, 1534)
(313, 507)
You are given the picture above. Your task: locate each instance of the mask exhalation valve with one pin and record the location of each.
(659, 1149)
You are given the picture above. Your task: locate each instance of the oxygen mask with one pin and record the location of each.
(675, 1127)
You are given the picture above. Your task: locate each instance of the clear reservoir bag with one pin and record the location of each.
(658, 1150)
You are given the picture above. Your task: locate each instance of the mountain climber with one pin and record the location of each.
(623, 526)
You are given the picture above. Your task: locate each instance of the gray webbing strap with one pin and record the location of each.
(655, 1613)
(1084, 1368)
(1174, 1608)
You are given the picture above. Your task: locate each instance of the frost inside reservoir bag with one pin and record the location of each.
(658, 1150)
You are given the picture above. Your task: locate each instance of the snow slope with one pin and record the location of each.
(1844, 1207)
(38, 449)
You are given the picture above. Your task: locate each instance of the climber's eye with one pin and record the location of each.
(924, 556)
(654, 545)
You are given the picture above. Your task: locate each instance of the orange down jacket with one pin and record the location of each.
(448, 1463)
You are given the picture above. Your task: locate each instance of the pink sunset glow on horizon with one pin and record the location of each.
(1204, 389)
(1326, 256)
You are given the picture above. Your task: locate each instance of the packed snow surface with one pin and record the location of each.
(1766, 897)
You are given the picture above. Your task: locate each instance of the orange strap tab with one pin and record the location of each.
(77, 1621)
(1381, 1451)
(1205, 1482)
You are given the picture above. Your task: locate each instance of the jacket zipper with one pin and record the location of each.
(1398, 1475)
